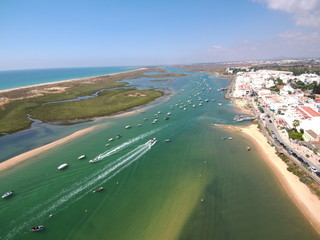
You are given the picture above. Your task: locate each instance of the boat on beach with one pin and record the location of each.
(37, 228)
(62, 166)
(7, 194)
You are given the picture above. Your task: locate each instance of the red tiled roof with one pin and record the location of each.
(310, 111)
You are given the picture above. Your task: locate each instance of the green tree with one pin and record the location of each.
(296, 123)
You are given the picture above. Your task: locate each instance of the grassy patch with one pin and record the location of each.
(31, 100)
(109, 102)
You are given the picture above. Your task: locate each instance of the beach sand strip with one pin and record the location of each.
(12, 162)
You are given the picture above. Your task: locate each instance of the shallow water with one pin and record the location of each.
(196, 186)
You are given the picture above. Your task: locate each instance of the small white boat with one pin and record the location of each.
(7, 194)
(96, 159)
(99, 189)
(229, 138)
(139, 125)
(167, 140)
(107, 145)
(128, 126)
(62, 166)
(169, 113)
(37, 228)
(110, 140)
(220, 103)
(82, 157)
(118, 136)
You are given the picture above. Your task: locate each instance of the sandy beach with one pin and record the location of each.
(10, 163)
(305, 200)
(69, 80)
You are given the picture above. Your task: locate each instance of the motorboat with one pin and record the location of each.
(229, 138)
(62, 166)
(118, 136)
(167, 140)
(166, 118)
(127, 127)
(37, 228)
(99, 189)
(7, 194)
(96, 159)
(82, 157)
(139, 125)
(110, 139)
(152, 142)
(220, 103)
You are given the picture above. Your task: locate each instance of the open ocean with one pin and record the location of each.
(197, 186)
(21, 78)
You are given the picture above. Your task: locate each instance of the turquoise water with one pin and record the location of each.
(22, 78)
(197, 186)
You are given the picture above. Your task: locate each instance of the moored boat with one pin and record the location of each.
(128, 126)
(37, 228)
(82, 157)
(62, 166)
(7, 194)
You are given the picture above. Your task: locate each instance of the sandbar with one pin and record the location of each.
(69, 80)
(305, 200)
(12, 162)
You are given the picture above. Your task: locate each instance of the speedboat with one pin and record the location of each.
(139, 125)
(167, 140)
(96, 159)
(62, 166)
(37, 228)
(152, 142)
(7, 194)
(82, 157)
(99, 189)
(128, 126)
(110, 139)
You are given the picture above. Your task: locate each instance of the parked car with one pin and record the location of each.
(313, 169)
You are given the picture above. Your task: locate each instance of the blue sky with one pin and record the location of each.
(67, 33)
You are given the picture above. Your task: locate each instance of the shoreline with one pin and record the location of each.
(14, 161)
(68, 80)
(299, 193)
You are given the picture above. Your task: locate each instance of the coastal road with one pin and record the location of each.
(283, 145)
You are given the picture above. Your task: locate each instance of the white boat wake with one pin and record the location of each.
(77, 191)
